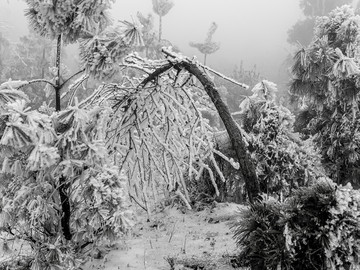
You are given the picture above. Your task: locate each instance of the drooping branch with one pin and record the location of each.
(247, 169)
(158, 130)
(158, 126)
(156, 74)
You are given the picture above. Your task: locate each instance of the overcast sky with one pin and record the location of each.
(254, 31)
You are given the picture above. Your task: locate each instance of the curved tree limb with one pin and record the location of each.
(247, 169)
(36, 81)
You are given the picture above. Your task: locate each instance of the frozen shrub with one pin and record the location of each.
(316, 228)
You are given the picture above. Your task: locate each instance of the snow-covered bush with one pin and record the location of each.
(41, 155)
(316, 228)
(326, 79)
(283, 161)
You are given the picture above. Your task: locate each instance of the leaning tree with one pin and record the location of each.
(157, 129)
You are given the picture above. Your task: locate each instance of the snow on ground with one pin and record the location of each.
(187, 240)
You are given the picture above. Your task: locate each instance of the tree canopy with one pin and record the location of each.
(326, 76)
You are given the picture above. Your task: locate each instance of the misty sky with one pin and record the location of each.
(254, 31)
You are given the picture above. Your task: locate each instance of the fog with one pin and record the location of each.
(252, 31)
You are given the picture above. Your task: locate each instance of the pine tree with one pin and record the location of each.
(61, 191)
(326, 77)
(208, 47)
(161, 8)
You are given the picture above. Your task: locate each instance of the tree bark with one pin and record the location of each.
(247, 169)
(57, 79)
(63, 189)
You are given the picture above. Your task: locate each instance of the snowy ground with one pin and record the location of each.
(190, 240)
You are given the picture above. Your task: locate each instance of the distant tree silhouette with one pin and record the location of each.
(302, 30)
(208, 47)
(161, 8)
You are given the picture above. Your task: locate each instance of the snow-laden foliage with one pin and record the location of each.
(101, 52)
(70, 18)
(326, 77)
(8, 92)
(157, 130)
(316, 228)
(42, 154)
(283, 161)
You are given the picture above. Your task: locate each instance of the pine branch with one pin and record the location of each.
(156, 73)
(72, 76)
(36, 81)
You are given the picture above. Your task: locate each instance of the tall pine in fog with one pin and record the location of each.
(208, 46)
(66, 22)
(161, 8)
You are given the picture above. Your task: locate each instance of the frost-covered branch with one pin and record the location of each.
(72, 76)
(36, 81)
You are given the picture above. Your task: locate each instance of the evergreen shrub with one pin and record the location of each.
(316, 228)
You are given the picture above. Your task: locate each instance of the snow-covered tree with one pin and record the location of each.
(158, 130)
(50, 162)
(61, 192)
(161, 8)
(283, 161)
(326, 76)
(209, 46)
(86, 22)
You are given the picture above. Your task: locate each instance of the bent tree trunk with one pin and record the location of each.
(247, 169)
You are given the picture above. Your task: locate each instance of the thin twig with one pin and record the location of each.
(36, 81)
(72, 76)
(172, 232)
